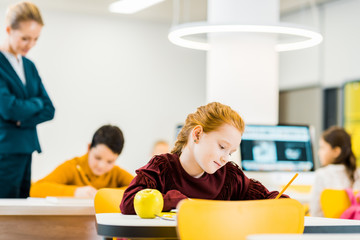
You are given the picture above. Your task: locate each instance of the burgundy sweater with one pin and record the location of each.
(165, 173)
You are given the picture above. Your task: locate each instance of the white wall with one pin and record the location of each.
(341, 48)
(105, 70)
(336, 60)
(301, 68)
(101, 69)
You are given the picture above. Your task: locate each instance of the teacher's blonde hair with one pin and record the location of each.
(210, 117)
(22, 12)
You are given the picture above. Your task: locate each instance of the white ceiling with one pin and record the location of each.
(163, 12)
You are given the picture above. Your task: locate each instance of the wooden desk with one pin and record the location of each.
(132, 226)
(47, 219)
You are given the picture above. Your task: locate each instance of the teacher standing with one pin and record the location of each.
(24, 102)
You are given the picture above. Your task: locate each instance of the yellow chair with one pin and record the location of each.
(334, 202)
(294, 189)
(107, 200)
(213, 219)
(298, 188)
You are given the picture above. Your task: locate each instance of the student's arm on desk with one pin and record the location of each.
(258, 191)
(149, 179)
(59, 182)
(45, 189)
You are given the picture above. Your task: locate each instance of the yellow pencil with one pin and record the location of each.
(83, 176)
(287, 185)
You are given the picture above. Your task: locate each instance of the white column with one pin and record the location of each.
(242, 68)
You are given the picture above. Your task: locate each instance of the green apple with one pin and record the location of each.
(148, 203)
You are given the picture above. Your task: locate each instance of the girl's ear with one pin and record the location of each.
(89, 146)
(196, 132)
(336, 151)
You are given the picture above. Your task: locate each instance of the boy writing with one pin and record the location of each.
(82, 176)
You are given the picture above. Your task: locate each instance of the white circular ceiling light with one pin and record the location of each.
(178, 34)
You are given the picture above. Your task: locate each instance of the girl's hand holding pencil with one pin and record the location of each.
(287, 185)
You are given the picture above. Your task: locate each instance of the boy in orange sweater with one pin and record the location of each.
(82, 176)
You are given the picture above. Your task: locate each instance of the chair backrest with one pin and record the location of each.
(334, 202)
(107, 200)
(213, 219)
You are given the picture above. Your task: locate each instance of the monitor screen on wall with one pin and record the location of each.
(276, 148)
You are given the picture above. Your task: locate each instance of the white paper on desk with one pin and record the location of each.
(70, 201)
(63, 200)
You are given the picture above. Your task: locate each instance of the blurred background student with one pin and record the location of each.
(160, 147)
(24, 102)
(338, 170)
(82, 176)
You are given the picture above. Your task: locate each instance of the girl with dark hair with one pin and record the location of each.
(339, 166)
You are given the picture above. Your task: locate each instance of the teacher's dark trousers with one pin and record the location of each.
(15, 175)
